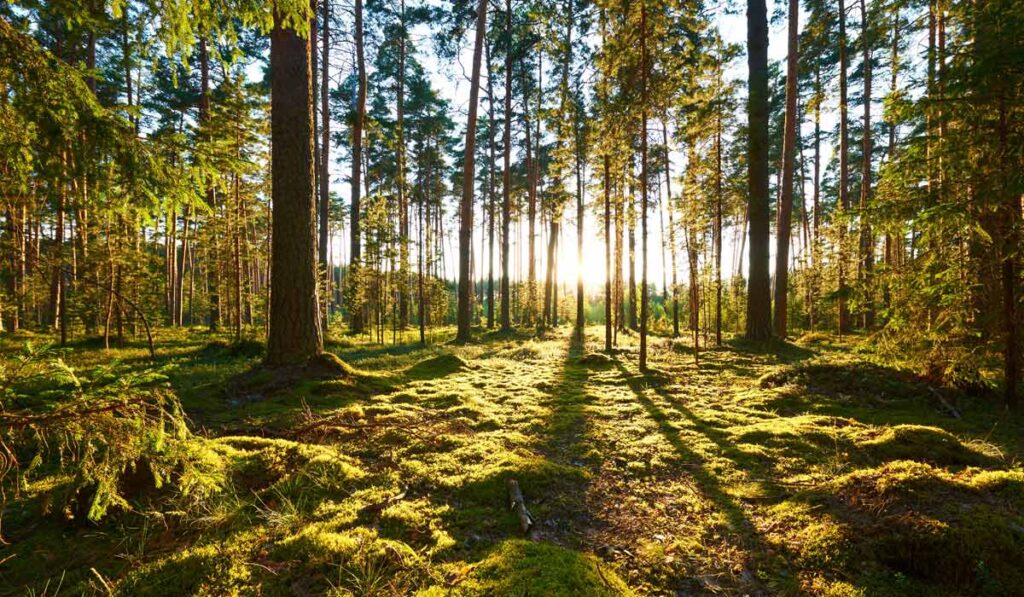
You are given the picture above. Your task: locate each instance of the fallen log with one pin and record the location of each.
(518, 505)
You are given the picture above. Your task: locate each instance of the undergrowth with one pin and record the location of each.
(805, 468)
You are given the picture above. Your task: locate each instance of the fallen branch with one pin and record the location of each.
(518, 505)
(12, 420)
(377, 507)
(945, 403)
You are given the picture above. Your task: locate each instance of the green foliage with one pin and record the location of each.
(109, 439)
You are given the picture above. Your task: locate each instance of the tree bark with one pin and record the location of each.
(643, 185)
(295, 333)
(506, 179)
(867, 258)
(325, 161)
(844, 167)
(466, 207)
(785, 210)
(758, 326)
(355, 254)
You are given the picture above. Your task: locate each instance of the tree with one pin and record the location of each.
(325, 161)
(506, 178)
(788, 168)
(295, 333)
(758, 326)
(359, 116)
(466, 206)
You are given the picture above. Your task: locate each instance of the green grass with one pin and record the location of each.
(805, 468)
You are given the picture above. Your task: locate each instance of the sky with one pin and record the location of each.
(452, 81)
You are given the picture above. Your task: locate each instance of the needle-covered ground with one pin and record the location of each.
(799, 469)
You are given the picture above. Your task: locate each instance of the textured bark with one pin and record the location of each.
(466, 207)
(785, 210)
(607, 255)
(355, 254)
(531, 214)
(633, 325)
(671, 232)
(295, 333)
(491, 200)
(643, 185)
(719, 198)
(325, 161)
(506, 178)
(403, 197)
(867, 258)
(758, 325)
(844, 168)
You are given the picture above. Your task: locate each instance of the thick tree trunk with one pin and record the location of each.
(620, 295)
(844, 167)
(607, 255)
(325, 161)
(758, 325)
(867, 257)
(643, 185)
(491, 200)
(506, 179)
(788, 170)
(295, 333)
(403, 198)
(355, 232)
(466, 207)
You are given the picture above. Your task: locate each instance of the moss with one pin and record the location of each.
(518, 567)
(923, 443)
(838, 478)
(439, 366)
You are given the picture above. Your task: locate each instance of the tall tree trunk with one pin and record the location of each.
(491, 200)
(890, 246)
(671, 231)
(719, 198)
(325, 162)
(788, 167)
(295, 333)
(816, 218)
(580, 314)
(1011, 245)
(355, 254)
(633, 323)
(466, 207)
(867, 257)
(531, 183)
(607, 255)
(759, 289)
(643, 185)
(549, 280)
(506, 179)
(844, 167)
(620, 296)
(403, 198)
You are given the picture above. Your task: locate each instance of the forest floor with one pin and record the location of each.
(803, 468)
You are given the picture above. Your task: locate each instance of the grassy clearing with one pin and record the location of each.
(801, 469)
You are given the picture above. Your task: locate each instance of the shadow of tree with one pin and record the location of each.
(707, 482)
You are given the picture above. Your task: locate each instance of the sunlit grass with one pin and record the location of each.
(800, 468)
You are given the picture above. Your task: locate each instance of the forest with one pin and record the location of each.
(511, 297)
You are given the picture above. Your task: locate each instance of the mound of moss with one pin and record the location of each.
(907, 526)
(924, 444)
(519, 567)
(439, 366)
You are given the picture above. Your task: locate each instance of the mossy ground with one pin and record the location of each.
(804, 468)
